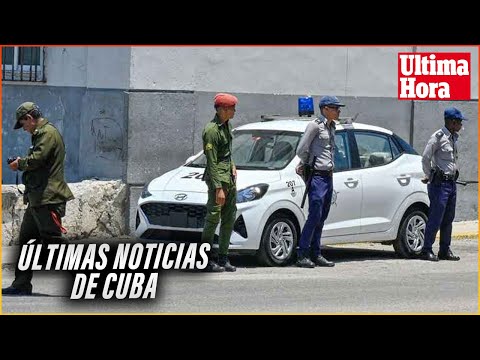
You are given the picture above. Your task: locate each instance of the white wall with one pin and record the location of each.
(93, 66)
(66, 66)
(344, 71)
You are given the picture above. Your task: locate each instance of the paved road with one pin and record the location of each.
(367, 278)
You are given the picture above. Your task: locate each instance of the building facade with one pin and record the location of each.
(134, 113)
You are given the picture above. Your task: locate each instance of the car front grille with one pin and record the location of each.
(169, 235)
(175, 235)
(175, 215)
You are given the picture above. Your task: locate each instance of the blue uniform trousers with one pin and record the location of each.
(443, 198)
(319, 200)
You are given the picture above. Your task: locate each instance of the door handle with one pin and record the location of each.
(351, 183)
(403, 179)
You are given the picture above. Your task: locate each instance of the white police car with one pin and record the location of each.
(378, 193)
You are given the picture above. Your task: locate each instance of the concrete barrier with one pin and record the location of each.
(98, 211)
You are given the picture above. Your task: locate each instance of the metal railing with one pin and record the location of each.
(23, 63)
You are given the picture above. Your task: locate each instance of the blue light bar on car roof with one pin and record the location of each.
(305, 106)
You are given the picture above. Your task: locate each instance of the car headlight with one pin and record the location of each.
(145, 193)
(251, 193)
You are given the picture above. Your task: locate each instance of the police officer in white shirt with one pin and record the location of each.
(441, 171)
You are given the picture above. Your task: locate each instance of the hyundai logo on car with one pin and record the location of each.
(180, 197)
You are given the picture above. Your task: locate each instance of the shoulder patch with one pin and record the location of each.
(208, 146)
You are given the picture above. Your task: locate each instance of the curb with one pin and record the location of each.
(466, 235)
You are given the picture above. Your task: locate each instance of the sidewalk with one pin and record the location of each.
(465, 229)
(461, 230)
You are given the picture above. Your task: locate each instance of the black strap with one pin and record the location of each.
(323, 172)
(224, 159)
(16, 182)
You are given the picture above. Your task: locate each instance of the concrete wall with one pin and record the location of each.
(92, 67)
(93, 124)
(266, 70)
(160, 133)
(344, 71)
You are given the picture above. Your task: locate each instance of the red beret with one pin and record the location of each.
(223, 99)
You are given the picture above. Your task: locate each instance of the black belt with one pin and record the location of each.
(322, 173)
(224, 159)
(447, 177)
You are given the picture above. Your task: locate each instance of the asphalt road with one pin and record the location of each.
(367, 279)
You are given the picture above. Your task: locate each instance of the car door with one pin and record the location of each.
(344, 216)
(385, 178)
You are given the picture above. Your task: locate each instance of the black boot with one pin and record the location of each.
(321, 261)
(304, 262)
(14, 291)
(223, 261)
(213, 266)
(447, 255)
(428, 255)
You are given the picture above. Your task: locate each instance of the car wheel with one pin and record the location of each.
(279, 240)
(411, 235)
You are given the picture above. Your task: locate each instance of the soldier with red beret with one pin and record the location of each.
(220, 176)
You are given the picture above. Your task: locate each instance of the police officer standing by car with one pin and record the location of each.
(441, 171)
(318, 142)
(46, 191)
(220, 176)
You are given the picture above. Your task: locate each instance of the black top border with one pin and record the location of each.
(147, 34)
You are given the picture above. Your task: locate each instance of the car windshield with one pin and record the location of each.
(259, 149)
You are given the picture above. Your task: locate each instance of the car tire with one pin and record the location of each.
(279, 241)
(411, 234)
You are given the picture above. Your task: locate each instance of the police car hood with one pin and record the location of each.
(189, 179)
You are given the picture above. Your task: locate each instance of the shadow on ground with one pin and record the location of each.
(335, 254)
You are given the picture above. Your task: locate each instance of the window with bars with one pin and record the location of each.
(23, 63)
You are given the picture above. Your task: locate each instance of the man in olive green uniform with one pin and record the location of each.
(46, 191)
(220, 176)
